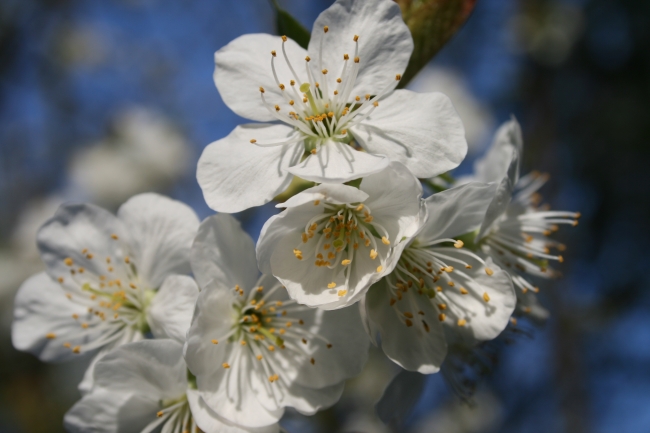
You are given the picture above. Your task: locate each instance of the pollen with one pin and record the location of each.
(379, 268)
(225, 365)
(273, 53)
(398, 77)
(114, 237)
(331, 285)
(160, 414)
(60, 279)
(486, 297)
(307, 58)
(284, 38)
(342, 293)
(408, 323)
(385, 240)
(346, 262)
(262, 89)
(324, 71)
(356, 38)
(326, 29)
(489, 271)
(373, 254)
(462, 322)
(407, 314)
(459, 244)
(68, 261)
(50, 336)
(277, 108)
(356, 59)
(76, 349)
(298, 254)
(442, 317)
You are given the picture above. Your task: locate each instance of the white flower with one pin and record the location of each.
(333, 241)
(253, 350)
(336, 95)
(109, 279)
(144, 386)
(437, 282)
(515, 232)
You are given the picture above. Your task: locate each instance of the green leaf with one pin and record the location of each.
(432, 24)
(289, 26)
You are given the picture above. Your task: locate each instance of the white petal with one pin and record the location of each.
(394, 200)
(385, 43)
(235, 174)
(106, 411)
(308, 401)
(337, 162)
(456, 211)
(503, 156)
(170, 312)
(210, 422)
(81, 227)
(151, 368)
(244, 65)
(420, 130)
(223, 255)
(485, 319)
(332, 193)
(412, 347)
(162, 231)
(348, 352)
(41, 308)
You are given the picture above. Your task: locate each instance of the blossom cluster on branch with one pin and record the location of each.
(194, 326)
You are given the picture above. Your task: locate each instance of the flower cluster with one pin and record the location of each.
(193, 326)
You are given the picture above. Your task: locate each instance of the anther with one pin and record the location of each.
(408, 323)
(262, 89)
(560, 259)
(313, 361)
(277, 108)
(513, 321)
(385, 240)
(486, 297)
(281, 86)
(114, 236)
(68, 261)
(273, 53)
(307, 58)
(462, 322)
(292, 82)
(291, 102)
(346, 262)
(324, 71)
(376, 103)
(326, 29)
(50, 336)
(253, 141)
(60, 279)
(398, 77)
(459, 244)
(380, 268)
(489, 271)
(373, 254)
(342, 293)
(284, 38)
(356, 59)
(225, 365)
(159, 414)
(463, 291)
(76, 349)
(331, 285)
(356, 38)
(407, 314)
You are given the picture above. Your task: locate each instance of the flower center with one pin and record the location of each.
(427, 271)
(263, 325)
(111, 290)
(175, 416)
(321, 110)
(334, 238)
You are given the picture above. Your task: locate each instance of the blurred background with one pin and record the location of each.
(102, 100)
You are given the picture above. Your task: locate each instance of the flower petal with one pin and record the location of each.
(503, 156)
(420, 347)
(106, 411)
(77, 229)
(456, 211)
(223, 255)
(385, 43)
(244, 65)
(488, 304)
(151, 368)
(337, 162)
(394, 200)
(333, 193)
(170, 312)
(308, 401)
(420, 130)
(210, 422)
(43, 321)
(235, 174)
(162, 231)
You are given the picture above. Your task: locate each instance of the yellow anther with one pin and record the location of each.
(342, 293)
(560, 259)
(459, 244)
(356, 38)
(271, 348)
(75, 316)
(68, 261)
(442, 306)
(408, 322)
(463, 291)
(326, 29)
(60, 279)
(324, 71)
(259, 357)
(114, 236)
(331, 285)
(273, 53)
(360, 207)
(284, 38)
(357, 98)
(398, 77)
(331, 113)
(50, 336)
(346, 262)
(76, 349)
(380, 268)
(448, 269)
(407, 314)
(307, 58)
(376, 104)
(486, 297)
(462, 322)
(292, 82)
(305, 101)
(84, 325)
(262, 89)
(225, 365)
(291, 102)
(281, 86)
(367, 96)
(385, 240)
(243, 343)
(277, 108)
(373, 254)
(489, 271)
(160, 414)
(451, 283)
(356, 59)
(513, 321)
(89, 256)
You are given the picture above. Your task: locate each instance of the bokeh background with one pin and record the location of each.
(102, 100)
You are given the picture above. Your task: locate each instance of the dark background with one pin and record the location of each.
(84, 84)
